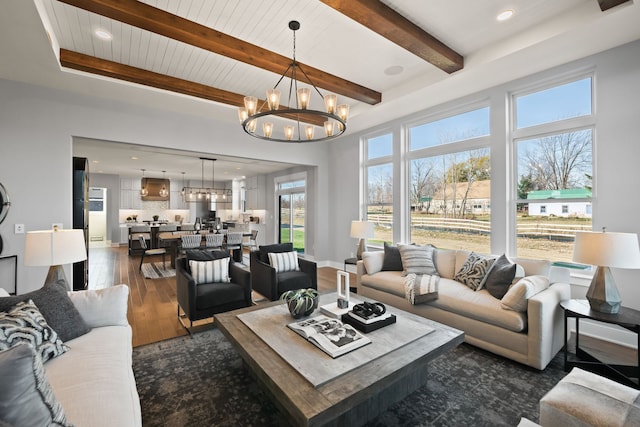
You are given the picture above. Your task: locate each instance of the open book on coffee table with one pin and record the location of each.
(330, 335)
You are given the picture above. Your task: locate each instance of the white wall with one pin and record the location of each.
(37, 126)
(617, 155)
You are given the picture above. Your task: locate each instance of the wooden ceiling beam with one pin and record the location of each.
(608, 4)
(103, 67)
(385, 21)
(160, 22)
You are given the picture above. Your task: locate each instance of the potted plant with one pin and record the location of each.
(155, 218)
(129, 219)
(301, 302)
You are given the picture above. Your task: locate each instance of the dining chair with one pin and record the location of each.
(234, 245)
(190, 241)
(253, 245)
(150, 252)
(214, 241)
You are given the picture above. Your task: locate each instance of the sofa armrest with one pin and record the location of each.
(102, 307)
(242, 277)
(185, 287)
(263, 276)
(310, 268)
(360, 271)
(546, 324)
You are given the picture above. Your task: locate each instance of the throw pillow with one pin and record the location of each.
(25, 323)
(392, 259)
(473, 270)
(499, 277)
(26, 397)
(284, 261)
(102, 307)
(275, 248)
(55, 305)
(421, 288)
(202, 255)
(214, 271)
(517, 296)
(373, 261)
(417, 259)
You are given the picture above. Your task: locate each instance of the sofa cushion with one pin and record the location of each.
(26, 398)
(445, 261)
(97, 369)
(517, 296)
(56, 307)
(284, 261)
(373, 261)
(102, 307)
(291, 280)
(499, 277)
(25, 323)
(214, 271)
(417, 259)
(277, 248)
(392, 259)
(474, 270)
(224, 293)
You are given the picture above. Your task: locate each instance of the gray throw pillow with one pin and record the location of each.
(392, 260)
(202, 255)
(56, 307)
(473, 271)
(499, 277)
(25, 396)
(418, 259)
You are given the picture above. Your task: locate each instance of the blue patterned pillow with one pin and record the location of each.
(473, 270)
(25, 323)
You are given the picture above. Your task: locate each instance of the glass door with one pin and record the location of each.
(292, 214)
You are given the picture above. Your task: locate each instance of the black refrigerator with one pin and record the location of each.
(81, 218)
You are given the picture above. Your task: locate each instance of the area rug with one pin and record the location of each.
(155, 270)
(200, 380)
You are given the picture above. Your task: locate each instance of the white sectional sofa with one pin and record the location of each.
(93, 380)
(532, 336)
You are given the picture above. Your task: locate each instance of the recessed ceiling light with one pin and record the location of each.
(507, 14)
(95, 161)
(394, 70)
(133, 158)
(103, 34)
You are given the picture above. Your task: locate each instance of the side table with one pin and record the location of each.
(627, 318)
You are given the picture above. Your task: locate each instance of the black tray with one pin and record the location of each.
(368, 327)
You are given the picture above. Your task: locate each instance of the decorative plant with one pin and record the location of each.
(155, 217)
(129, 218)
(301, 302)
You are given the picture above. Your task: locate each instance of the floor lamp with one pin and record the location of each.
(54, 248)
(606, 250)
(361, 230)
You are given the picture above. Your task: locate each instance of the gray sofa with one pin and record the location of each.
(532, 337)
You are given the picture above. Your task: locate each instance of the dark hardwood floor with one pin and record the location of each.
(153, 306)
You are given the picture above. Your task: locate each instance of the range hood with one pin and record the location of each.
(153, 186)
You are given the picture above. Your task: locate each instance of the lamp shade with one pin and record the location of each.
(54, 247)
(606, 249)
(361, 229)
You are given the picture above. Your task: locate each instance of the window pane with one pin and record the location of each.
(380, 202)
(557, 103)
(451, 201)
(472, 124)
(556, 167)
(380, 146)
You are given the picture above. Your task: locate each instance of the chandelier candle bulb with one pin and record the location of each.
(251, 104)
(288, 132)
(267, 128)
(328, 127)
(252, 126)
(343, 111)
(309, 131)
(273, 99)
(242, 114)
(304, 96)
(330, 102)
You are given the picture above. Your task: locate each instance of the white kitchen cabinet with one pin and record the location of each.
(255, 192)
(124, 235)
(130, 193)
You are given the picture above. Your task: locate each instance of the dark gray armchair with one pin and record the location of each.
(206, 299)
(270, 284)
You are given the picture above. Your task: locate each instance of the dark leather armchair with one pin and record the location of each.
(206, 299)
(270, 284)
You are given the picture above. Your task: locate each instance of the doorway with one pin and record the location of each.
(98, 218)
(292, 213)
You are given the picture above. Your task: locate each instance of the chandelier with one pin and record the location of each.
(304, 120)
(202, 193)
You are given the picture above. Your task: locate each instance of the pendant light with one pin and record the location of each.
(143, 190)
(163, 191)
(182, 192)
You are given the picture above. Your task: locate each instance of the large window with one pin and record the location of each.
(292, 213)
(379, 187)
(450, 184)
(554, 170)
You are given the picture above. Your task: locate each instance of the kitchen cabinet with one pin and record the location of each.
(255, 187)
(130, 193)
(175, 198)
(124, 235)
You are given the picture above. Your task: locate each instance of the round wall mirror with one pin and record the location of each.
(4, 203)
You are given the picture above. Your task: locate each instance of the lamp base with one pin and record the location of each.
(603, 295)
(362, 247)
(55, 275)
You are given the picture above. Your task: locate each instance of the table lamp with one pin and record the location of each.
(54, 248)
(361, 230)
(606, 250)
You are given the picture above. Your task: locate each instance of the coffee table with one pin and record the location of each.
(353, 396)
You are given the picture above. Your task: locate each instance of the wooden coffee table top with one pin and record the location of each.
(308, 405)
